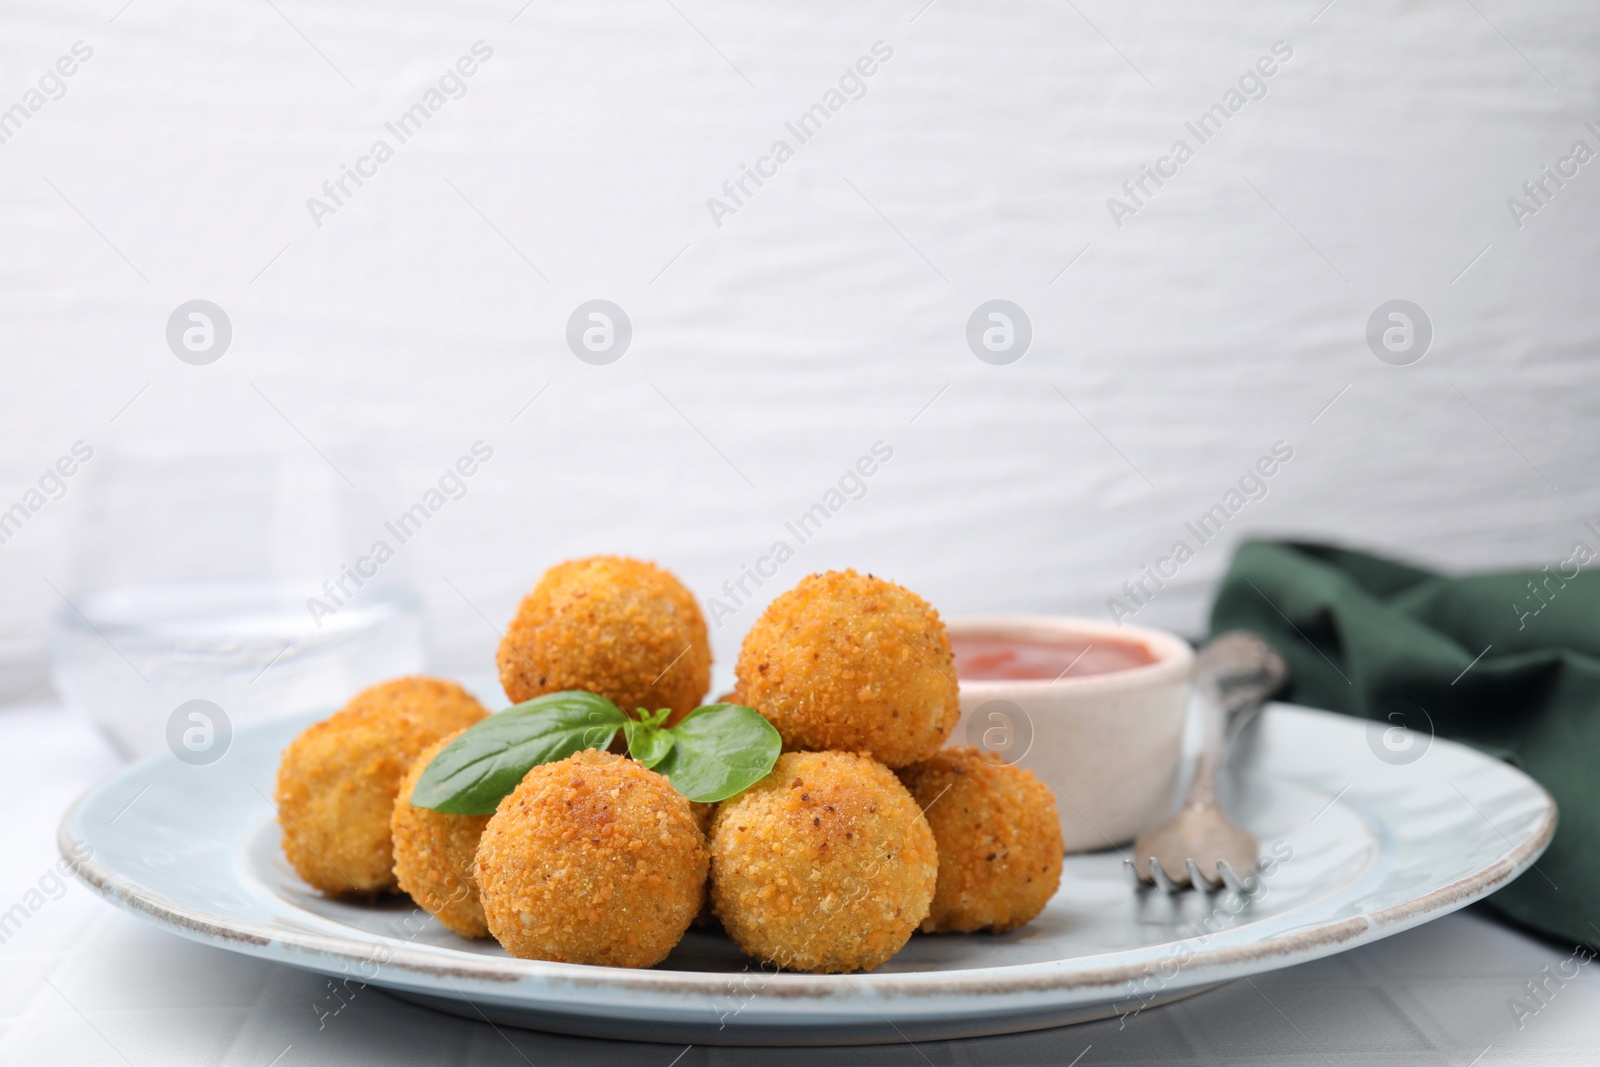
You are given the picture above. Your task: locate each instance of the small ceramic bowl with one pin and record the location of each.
(1109, 745)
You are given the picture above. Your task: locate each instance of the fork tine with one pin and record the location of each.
(1198, 880)
(1139, 879)
(1158, 873)
(1233, 881)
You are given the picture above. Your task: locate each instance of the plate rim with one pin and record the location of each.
(1199, 966)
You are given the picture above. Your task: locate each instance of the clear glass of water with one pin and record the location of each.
(210, 591)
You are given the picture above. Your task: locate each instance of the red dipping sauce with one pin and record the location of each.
(1000, 657)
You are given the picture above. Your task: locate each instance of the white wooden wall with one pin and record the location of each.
(828, 310)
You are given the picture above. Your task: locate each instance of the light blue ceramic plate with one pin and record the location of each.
(1365, 837)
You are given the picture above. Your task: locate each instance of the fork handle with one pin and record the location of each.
(1235, 672)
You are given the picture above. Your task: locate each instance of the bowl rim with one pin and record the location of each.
(1174, 655)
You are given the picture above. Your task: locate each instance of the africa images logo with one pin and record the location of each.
(451, 85)
(852, 85)
(1251, 85)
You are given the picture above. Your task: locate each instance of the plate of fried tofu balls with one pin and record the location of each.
(812, 857)
(851, 828)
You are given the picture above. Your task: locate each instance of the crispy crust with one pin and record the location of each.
(434, 853)
(852, 662)
(625, 629)
(703, 815)
(592, 860)
(825, 865)
(999, 840)
(338, 780)
(438, 705)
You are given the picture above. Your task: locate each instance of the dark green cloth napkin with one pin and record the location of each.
(1508, 663)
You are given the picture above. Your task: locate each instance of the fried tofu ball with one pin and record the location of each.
(592, 860)
(825, 865)
(999, 840)
(852, 662)
(434, 853)
(624, 629)
(338, 780)
(438, 705)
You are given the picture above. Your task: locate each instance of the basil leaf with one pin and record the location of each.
(647, 742)
(478, 768)
(720, 750)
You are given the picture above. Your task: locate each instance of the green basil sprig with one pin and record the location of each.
(649, 739)
(487, 761)
(718, 750)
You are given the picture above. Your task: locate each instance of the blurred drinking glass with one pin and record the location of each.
(208, 591)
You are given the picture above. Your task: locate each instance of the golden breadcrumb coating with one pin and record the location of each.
(338, 780)
(703, 814)
(852, 662)
(592, 860)
(437, 704)
(434, 853)
(999, 840)
(624, 629)
(825, 865)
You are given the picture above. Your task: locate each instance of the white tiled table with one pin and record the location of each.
(81, 983)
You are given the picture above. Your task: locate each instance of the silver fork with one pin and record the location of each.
(1199, 846)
